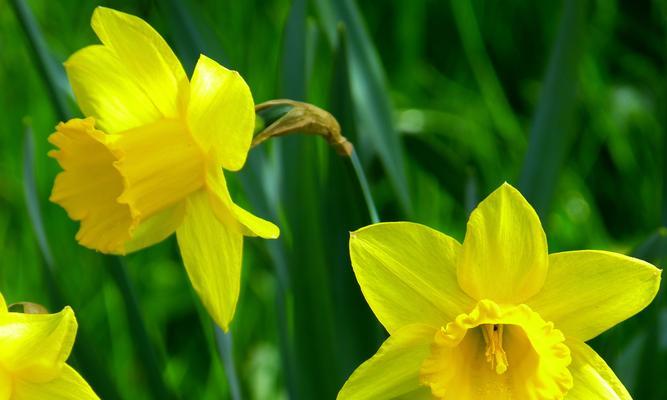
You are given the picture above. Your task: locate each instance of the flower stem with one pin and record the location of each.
(137, 325)
(365, 188)
(225, 347)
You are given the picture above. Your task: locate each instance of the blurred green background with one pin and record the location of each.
(443, 100)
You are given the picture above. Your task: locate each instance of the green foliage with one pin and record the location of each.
(444, 101)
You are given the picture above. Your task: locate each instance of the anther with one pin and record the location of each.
(495, 354)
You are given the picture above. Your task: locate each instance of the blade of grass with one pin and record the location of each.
(372, 105)
(141, 342)
(49, 70)
(551, 128)
(345, 189)
(96, 373)
(654, 247)
(492, 92)
(250, 178)
(300, 193)
(226, 350)
(190, 35)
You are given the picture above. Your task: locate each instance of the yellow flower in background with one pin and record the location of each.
(147, 161)
(496, 317)
(33, 351)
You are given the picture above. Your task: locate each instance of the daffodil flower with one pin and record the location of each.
(148, 160)
(496, 317)
(33, 351)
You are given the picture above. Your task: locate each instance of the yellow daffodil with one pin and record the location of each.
(33, 351)
(496, 317)
(148, 160)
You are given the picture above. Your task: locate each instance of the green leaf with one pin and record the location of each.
(492, 92)
(654, 247)
(552, 125)
(52, 72)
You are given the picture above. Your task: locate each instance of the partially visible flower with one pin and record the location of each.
(147, 161)
(495, 318)
(33, 351)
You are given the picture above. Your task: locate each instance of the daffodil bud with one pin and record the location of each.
(305, 118)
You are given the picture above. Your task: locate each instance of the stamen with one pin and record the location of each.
(495, 354)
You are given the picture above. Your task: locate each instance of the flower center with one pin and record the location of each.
(498, 352)
(495, 354)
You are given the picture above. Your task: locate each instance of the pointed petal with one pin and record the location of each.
(6, 386)
(90, 185)
(103, 89)
(587, 292)
(36, 345)
(3, 305)
(394, 370)
(221, 113)
(504, 254)
(407, 274)
(147, 59)
(68, 386)
(224, 207)
(593, 379)
(211, 253)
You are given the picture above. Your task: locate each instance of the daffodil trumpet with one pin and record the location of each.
(34, 348)
(148, 158)
(496, 317)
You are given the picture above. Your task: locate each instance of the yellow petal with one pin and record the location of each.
(394, 370)
(104, 90)
(224, 207)
(221, 113)
(212, 254)
(593, 379)
(89, 186)
(423, 393)
(3, 305)
(156, 228)
(35, 346)
(68, 386)
(6, 386)
(147, 59)
(254, 225)
(587, 292)
(407, 274)
(161, 165)
(504, 254)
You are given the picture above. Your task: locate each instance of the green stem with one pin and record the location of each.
(225, 347)
(365, 188)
